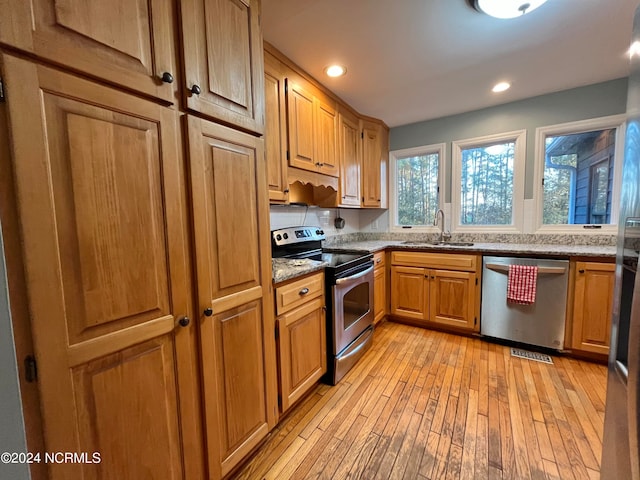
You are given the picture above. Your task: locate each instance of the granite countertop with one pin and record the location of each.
(287, 268)
(537, 249)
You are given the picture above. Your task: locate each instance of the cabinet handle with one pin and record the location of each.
(426, 276)
(432, 277)
(286, 190)
(184, 321)
(304, 291)
(580, 271)
(208, 312)
(167, 77)
(324, 308)
(378, 260)
(195, 89)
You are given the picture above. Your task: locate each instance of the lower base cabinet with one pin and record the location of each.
(425, 294)
(592, 306)
(301, 337)
(379, 287)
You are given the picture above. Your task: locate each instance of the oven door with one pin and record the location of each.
(352, 305)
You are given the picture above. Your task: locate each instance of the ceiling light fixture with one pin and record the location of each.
(501, 87)
(335, 70)
(505, 8)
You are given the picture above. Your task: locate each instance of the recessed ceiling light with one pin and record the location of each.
(506, 8)
(500, 87)
(335, 70)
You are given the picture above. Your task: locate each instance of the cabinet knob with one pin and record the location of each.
(196, 90)
(208, 312)
(286, 190)
(378, 260)
(580, 271)
(304, 291)
(167, 77)
(184, 321)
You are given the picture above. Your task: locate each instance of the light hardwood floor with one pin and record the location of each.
(429, 405)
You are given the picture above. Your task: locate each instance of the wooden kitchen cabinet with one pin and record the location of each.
(301, 337)
(130, 43)
(233, 266)
(375, 152)
(100, 187)
(436, 288)
(350, 157)
(275, 129)
(452, 298)
(592, 306)
(313, 128)
(379, 286)
(410, 293)
(223, 61)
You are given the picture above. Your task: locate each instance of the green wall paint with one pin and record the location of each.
(598, 100)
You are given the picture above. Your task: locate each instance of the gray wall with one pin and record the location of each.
(599, 100)
(12, 434)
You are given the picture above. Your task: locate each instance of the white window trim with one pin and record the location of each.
(519, 137)
(440, 149)
(601, 123)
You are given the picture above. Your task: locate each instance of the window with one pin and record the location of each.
(577, 172)
(488, 182)
(415, 186)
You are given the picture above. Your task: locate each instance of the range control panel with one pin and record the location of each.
(287, 236)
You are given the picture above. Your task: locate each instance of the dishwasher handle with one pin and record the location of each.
(505, 268)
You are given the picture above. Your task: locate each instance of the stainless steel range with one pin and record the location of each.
(349, 292)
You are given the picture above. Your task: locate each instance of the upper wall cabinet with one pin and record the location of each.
(374, 154)
(351, 158)
(125, 42)
(313, 126)
(222, 42)
(275, 129)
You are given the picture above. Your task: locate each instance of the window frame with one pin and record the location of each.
(394, 156)
(519, 138)
(568, 128)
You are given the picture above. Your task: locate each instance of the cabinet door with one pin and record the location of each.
(302, 350)
(100, 186)
(350, 155)
(275, 130)
(301, 127)
(223, 58)
(126, 42)
(409, 292)
(379, 294)
(326, 123)
(231, 226)
(371, 154)
(452, 298)
(592, 306)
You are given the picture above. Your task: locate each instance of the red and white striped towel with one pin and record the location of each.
(521, 284)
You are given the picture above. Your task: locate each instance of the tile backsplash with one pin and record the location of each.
(359, 226)
(290, 216)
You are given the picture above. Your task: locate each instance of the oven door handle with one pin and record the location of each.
(340, 281)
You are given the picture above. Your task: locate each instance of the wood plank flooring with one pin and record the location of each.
(429, 405)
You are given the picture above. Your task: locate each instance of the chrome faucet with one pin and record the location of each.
(443, 236)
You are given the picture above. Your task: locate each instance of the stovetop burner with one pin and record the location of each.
(306, 242)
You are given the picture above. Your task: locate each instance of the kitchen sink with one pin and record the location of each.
(440, 244)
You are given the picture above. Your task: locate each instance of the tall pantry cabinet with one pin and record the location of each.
(142, 215)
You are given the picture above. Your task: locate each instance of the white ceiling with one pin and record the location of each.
(412, 60)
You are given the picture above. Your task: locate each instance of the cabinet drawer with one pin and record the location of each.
(378, 260)
(296, 293)
(451, 261)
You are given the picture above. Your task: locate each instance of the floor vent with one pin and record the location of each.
(538, 357)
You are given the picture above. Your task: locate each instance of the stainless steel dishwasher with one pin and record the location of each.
(541, 323)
